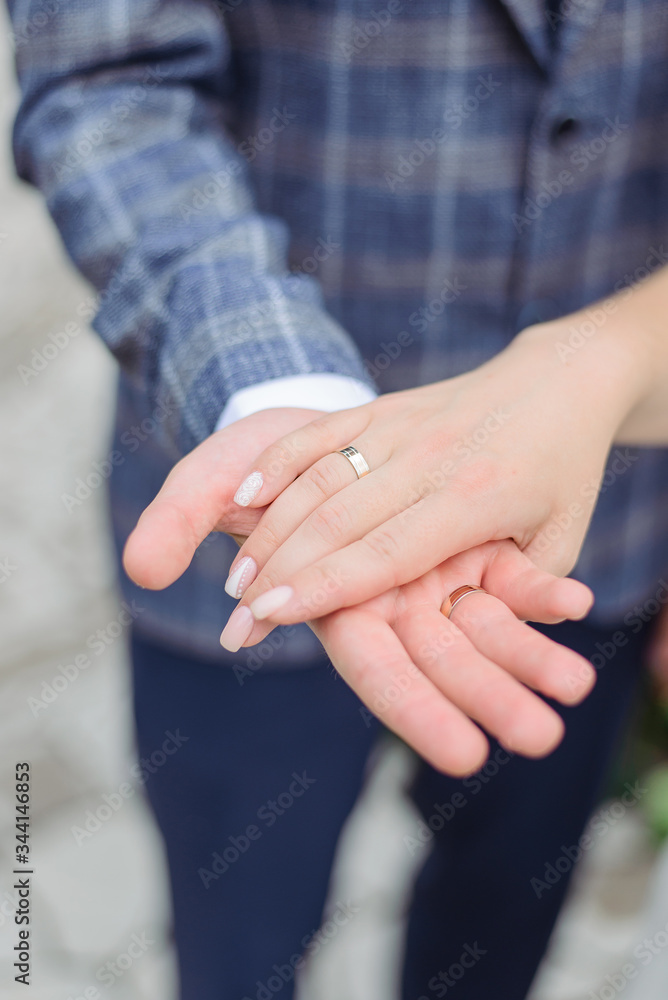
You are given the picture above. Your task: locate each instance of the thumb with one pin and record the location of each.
(197, 498)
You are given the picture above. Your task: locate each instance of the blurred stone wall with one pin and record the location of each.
(64, 693)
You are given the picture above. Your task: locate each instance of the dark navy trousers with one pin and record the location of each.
(251, 806)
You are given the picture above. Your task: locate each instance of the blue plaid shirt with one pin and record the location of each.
(384, 189)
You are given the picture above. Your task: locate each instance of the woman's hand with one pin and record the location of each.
(515, 449)
(425, 676)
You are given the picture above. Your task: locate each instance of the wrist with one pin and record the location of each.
(598, 358)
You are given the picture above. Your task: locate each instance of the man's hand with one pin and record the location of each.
(426, 677)
(430, 678)
(197, 498)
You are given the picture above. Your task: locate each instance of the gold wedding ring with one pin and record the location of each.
(457, 595)
(356, 459)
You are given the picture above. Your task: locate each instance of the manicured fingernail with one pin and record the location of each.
(244, 573)
(237, 630)
(249, 489)
(267, 604)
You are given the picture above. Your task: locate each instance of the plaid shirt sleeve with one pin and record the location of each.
(121, 125)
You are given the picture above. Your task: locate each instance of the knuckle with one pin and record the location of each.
(266, 581)
(277, 458)
(384, 546)
(331, 522)
(322, 588)
(321, 480)
(320, 431)
(266, 536)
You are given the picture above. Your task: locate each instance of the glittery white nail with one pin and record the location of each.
(249, 489)
(243, 575)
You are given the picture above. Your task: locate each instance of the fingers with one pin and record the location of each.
(401, 549)
(484, 691)
(281, 463)
(196, 497)
(532, 593)
(185, 511)
(372, 660)
(323, 510)
(521, 651)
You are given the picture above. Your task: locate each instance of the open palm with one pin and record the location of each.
(431, 679)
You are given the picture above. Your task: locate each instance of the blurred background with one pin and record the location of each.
(99, 896)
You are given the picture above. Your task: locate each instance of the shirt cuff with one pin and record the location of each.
(319, 391)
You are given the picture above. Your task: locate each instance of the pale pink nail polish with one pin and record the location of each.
(240, 580)
(268, 603)
(237, 630)
(249, 489)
